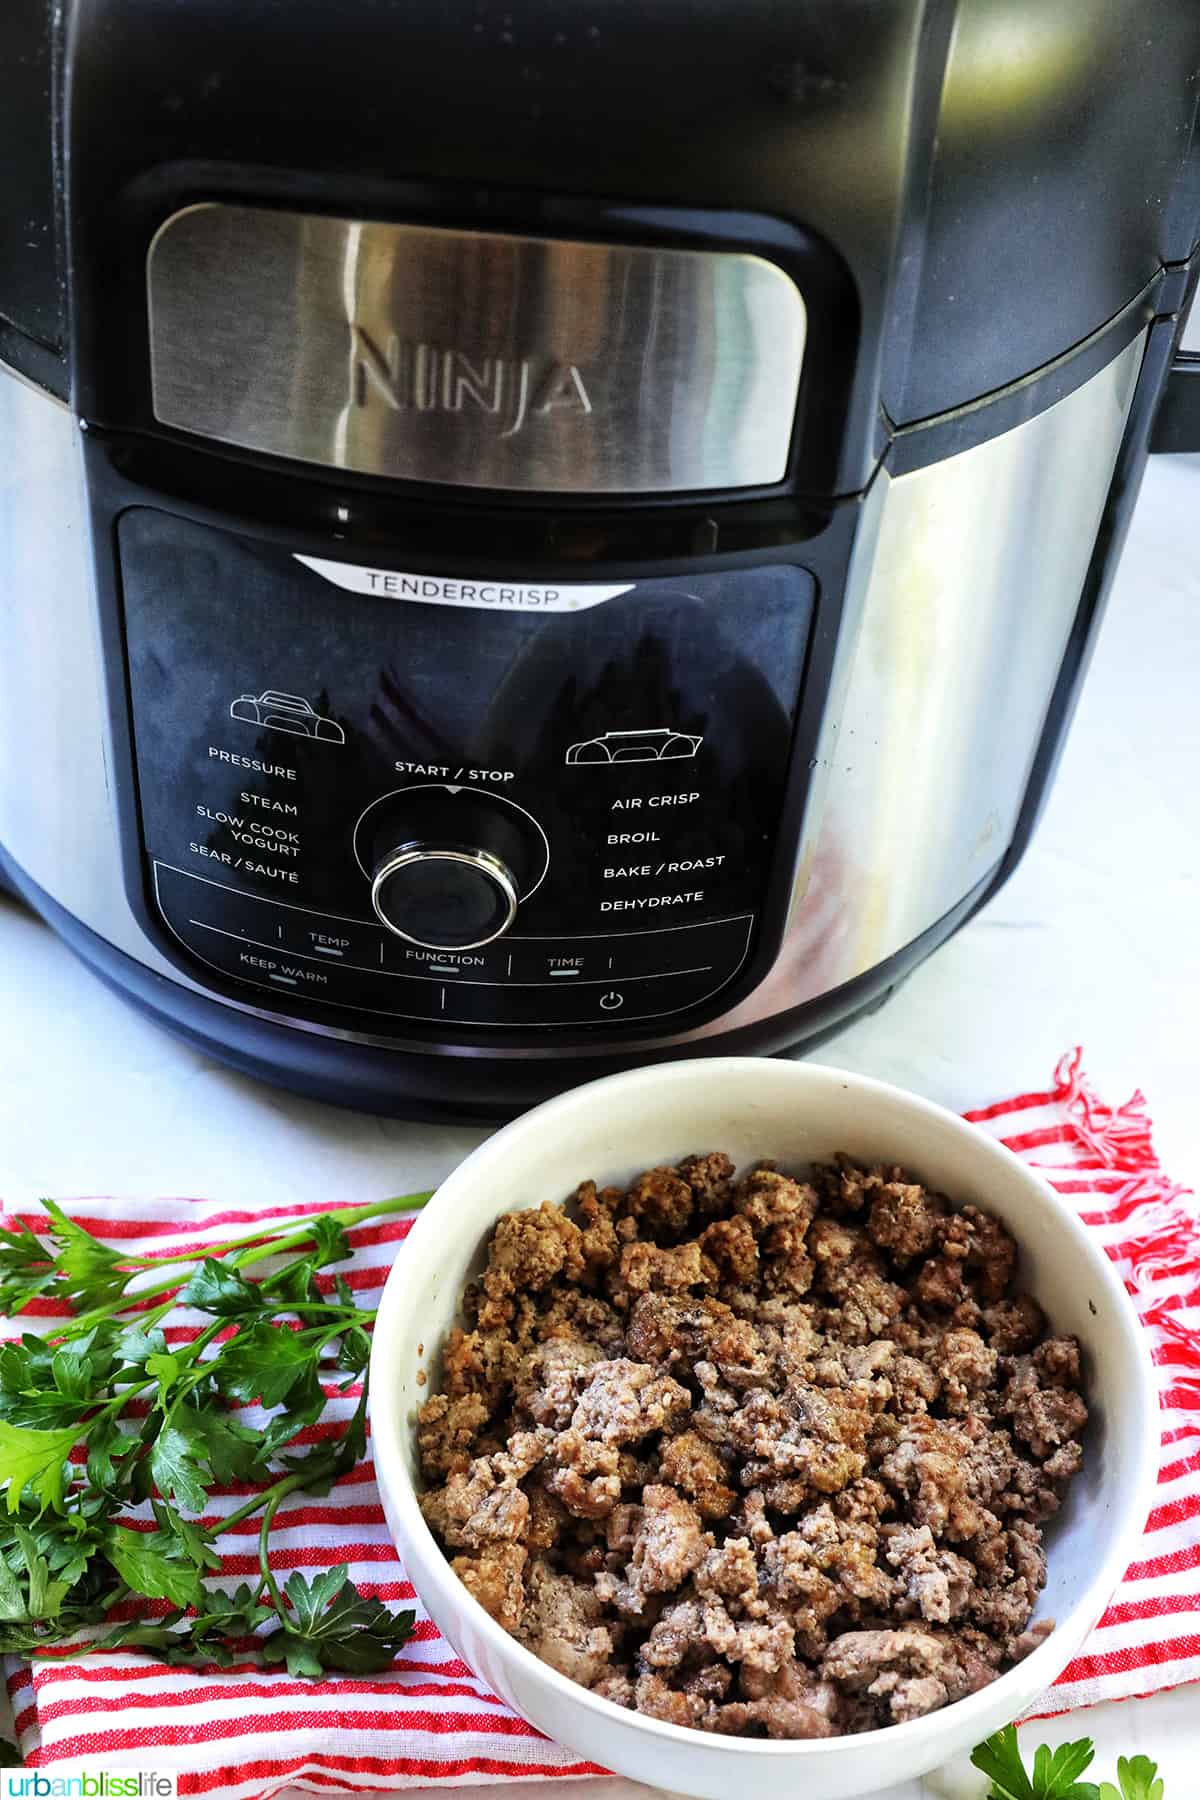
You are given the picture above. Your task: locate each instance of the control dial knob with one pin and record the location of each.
(449, 865)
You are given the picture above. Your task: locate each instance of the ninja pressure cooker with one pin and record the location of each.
(536, 535)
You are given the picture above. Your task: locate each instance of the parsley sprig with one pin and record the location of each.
(103, 1422)
(1056, 1773)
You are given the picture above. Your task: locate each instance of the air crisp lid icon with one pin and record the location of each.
(657, 743)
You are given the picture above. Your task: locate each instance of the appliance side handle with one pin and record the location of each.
(1177, 422)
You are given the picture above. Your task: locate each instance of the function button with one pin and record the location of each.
(488, 963)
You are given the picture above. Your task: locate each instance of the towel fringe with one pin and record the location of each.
(1120, 1137)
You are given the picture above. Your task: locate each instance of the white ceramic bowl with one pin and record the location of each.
(796, 1113)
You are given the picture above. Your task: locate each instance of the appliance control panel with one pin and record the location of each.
(459, 800)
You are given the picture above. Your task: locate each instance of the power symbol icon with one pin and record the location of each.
(611, 1001)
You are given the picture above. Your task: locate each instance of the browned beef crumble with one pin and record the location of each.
(762, 1456)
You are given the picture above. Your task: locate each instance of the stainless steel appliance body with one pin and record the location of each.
(501, 588)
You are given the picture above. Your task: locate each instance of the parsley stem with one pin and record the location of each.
(255, 1245)
(289, 1484)
(353, 1315)
(263, 1560)
(83, 1322)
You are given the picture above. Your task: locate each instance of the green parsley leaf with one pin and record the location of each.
(329, 1238)
(73, 1372)
(13, 1605)
(234, 1451)
(175, 1464)
(354, 1351)
(1139, 1778)
(153, 1563)
(45, 1596)
(305, 1404)
(34, 1459)
(264, 1362)
(166, 1370)
(218, 1289)
(27, 1269)
(1054, 1771)
(332, 1626)
(90, 1274)
(10, 1756)
(137, 1345)
(106, 1445)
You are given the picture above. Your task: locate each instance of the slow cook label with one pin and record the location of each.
(640, 729)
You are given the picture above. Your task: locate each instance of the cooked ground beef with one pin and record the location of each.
(768, 1457)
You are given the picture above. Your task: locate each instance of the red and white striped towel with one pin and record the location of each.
(245, 1733)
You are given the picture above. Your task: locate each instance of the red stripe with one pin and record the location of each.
(307, 1515)
(55, 1666)
(318, 1556)
(1184, 1396)
(998, 1108)
(211, 1731)
(1044, 1134)
(1120, 1662)
(1132, 1195)
(1067, 1179)
(1174, 1512)
(388, 1766)
(1174, 1562)
(1184, 1465)
(128, 1228)
(1155, 1606)
(133, 1667)
(359, 1237)
(308, 1779)
(208, 1692)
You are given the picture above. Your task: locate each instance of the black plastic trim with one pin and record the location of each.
(1177, 423)
(933, 440)
(33, 361)
(461, 1086)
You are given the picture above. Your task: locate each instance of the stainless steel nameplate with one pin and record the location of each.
(474, 358)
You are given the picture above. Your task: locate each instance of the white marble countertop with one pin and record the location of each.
(1094, 941)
